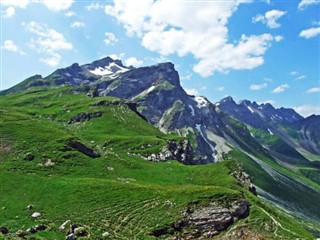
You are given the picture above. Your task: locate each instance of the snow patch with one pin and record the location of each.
(108, 70)
(101, 71)
(192, 110)
(201, 102)
(198, 127)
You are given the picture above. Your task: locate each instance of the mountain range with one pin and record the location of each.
(277, 147)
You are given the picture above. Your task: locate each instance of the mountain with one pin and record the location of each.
(278, 148)
(281, 130)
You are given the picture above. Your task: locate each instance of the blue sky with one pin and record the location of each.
(264, 51)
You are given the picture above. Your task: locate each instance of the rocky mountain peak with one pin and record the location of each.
(103, 63)
(227, 100)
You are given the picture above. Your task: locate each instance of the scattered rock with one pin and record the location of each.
(110, 169)
(4, 230)
(73, 227)
(36, 215)
(40, 227)
(32, 230)
(80, 232)
(71, 236)
(30, 206)
(105, 234)
(29, 157)
(66, 225)
(47, 163)
(21, 233)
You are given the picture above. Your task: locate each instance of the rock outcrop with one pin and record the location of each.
(244, 178)
(180, 151)
(205, 222)
(84, 117)
(83, 148)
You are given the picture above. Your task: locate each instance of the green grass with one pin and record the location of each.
(118, 192)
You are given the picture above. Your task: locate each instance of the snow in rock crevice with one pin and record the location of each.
(150, 89)
(250, 109)
(192, 110)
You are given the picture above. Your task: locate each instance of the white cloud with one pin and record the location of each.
(305, 3)
(203, 88)
(310, 33)
(9, 45)
(270, 18)
(70, 14)
(53, 5)
(294, 73)
(301, 77)
(280, 88)
(77, 25)
(278, 38)
(258, 86)
(15, 3)
(110, 38)
(314, 90)
(53, 60)
(191, 91)
(9, 12)
(204, 35)
(297, 75)
(48, 41)
(307, 110)
(186, 77)
(57, 5)
(132, 61)
(117, 56)
(94, 6)
(219, 89)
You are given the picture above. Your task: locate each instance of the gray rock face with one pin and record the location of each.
(309, 133)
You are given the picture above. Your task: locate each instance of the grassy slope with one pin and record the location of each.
(118, 193)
